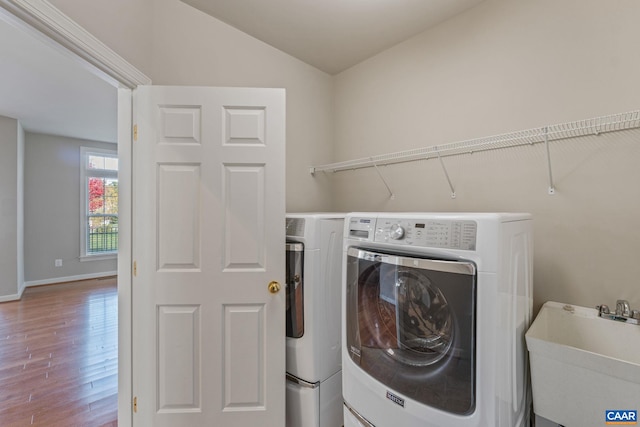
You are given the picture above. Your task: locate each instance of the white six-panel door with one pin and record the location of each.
(208, 238)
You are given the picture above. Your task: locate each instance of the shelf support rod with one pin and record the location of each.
(391, 195)
(552, 189)
(446, 174)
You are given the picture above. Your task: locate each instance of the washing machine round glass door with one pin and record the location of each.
(411, 325)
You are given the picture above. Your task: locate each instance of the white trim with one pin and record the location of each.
(55, 25)
(13, 297)
(125, 303)
(100, 257)
(69, 279)
(100, 152)
(22, 286)
(20, 211)
(7, 298)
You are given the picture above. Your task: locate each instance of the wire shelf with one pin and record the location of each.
(593, 126)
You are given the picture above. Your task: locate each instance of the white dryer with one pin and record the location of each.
(313, 277)
(434, 314)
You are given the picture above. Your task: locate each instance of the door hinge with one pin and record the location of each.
(135, 404)
(135, 268)
(135, 132)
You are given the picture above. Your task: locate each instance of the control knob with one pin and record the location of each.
(396, 232)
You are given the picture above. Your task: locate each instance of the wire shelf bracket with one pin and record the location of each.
(547, 134)
(391, 195)
(444, 169)
(552, 189)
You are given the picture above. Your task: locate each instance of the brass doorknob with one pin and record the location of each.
(274, 287)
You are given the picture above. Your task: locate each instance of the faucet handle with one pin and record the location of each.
(635, 314)
(622, 308)
(603, 309)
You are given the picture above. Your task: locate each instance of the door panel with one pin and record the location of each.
(178, 342)
(178, 216)
(179, 125)
(244, 126)
(244, 357)
(208, 336)
(244, 189)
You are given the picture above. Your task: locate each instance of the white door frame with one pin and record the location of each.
(65, 35)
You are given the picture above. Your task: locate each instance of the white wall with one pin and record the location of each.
(176, 44)
(500, 67)
(52, 210)
(9, 181)
(123, 25)
(505, 66)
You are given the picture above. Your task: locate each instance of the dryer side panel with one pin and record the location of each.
(330, 297)
(515, 296)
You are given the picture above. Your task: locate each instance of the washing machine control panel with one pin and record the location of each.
(396, 232)
(435, 233)
(362, 228)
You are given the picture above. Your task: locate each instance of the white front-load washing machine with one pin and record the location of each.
(434, 314)
(313, 278)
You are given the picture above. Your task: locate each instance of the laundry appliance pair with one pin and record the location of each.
(434, 307)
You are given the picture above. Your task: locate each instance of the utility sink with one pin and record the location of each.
(582, 365)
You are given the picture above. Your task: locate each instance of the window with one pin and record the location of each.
(99, 203)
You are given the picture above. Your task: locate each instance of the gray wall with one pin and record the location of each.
(10, 167)
(52, 209)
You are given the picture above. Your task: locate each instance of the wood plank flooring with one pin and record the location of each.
(59, 356)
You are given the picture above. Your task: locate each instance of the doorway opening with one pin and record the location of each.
(58, 32)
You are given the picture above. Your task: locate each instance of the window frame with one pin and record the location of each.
(85, 173)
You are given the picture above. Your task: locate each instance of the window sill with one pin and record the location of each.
(99, 257)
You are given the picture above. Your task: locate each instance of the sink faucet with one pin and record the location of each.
(623, 313)
(623, 308)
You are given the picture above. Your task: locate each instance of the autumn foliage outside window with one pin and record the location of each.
(101, 171)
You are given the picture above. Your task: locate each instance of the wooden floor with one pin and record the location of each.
(59, 356)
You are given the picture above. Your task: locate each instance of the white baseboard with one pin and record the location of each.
(21, 289)
(69, 279)
(12, 297)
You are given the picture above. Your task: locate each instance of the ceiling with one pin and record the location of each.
(332, 35)
(49, 91)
